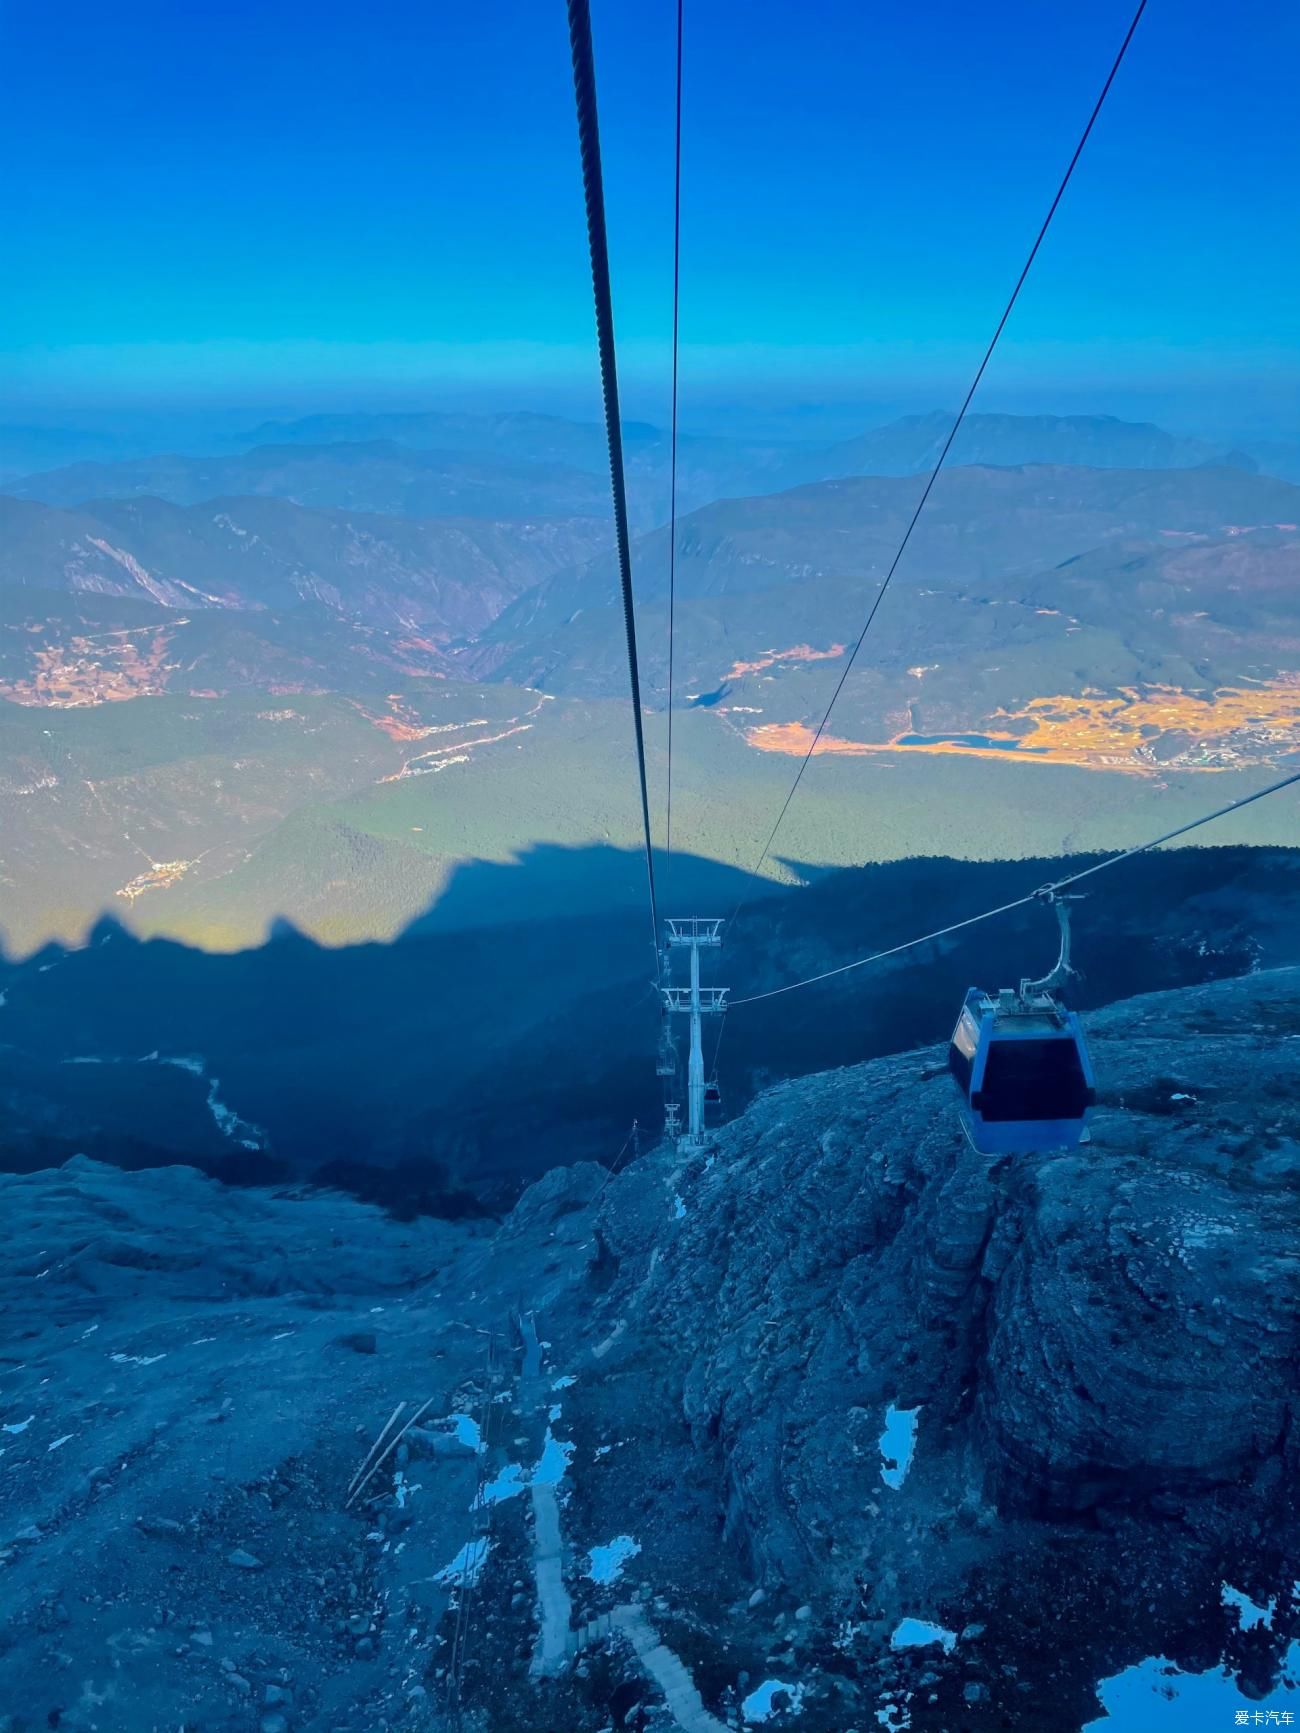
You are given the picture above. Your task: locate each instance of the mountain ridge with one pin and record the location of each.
(444, 574)
(374, 476)
(513, 464)
(803, 562)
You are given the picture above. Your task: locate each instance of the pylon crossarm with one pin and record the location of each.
(695, 930)
(712, 1000)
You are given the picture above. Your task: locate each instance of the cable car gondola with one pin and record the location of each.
(712, 1100)
(1021, 1062)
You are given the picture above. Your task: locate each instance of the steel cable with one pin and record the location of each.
(946, 448)
(1054, 888)
(584, 91)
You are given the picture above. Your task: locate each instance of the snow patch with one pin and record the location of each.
(509, 1482)
(238, 1130)
(553, 1463)
(1155, 1696)
(606, 1562)
(467, 1432)
(916, 1633)
(897, 1445)
(1248, 1614)
(759, 1704)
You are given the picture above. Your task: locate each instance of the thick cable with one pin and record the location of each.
(584, 91)
(672, 483)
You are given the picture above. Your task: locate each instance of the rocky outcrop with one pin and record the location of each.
(1142, 1341)
(1107, 1328)
(173, 1235)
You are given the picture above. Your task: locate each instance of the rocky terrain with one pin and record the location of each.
(838, 1426)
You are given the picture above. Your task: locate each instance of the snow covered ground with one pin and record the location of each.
(1156, 1697)
(897, 1445)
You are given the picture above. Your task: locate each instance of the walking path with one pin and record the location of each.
(557, 1642)
(554, 1637)
(672, 1677)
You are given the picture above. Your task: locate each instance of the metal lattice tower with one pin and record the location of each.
(695, 933)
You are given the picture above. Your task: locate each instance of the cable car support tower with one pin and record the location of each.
(694, 934)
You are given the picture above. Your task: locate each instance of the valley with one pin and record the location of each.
(312, 704)
(1139, 732)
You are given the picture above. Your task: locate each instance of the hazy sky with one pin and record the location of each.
(266, 202)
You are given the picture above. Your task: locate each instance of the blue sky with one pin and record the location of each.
(316, 204)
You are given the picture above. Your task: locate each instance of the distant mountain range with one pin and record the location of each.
(913, 445)
(524, 465)
(800, 568)
(26, 448)
(524, 601)
(377, 476)
(1278, 457)
(511, 438)
(898, 448)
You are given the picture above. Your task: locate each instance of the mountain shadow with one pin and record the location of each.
(444, 1070)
